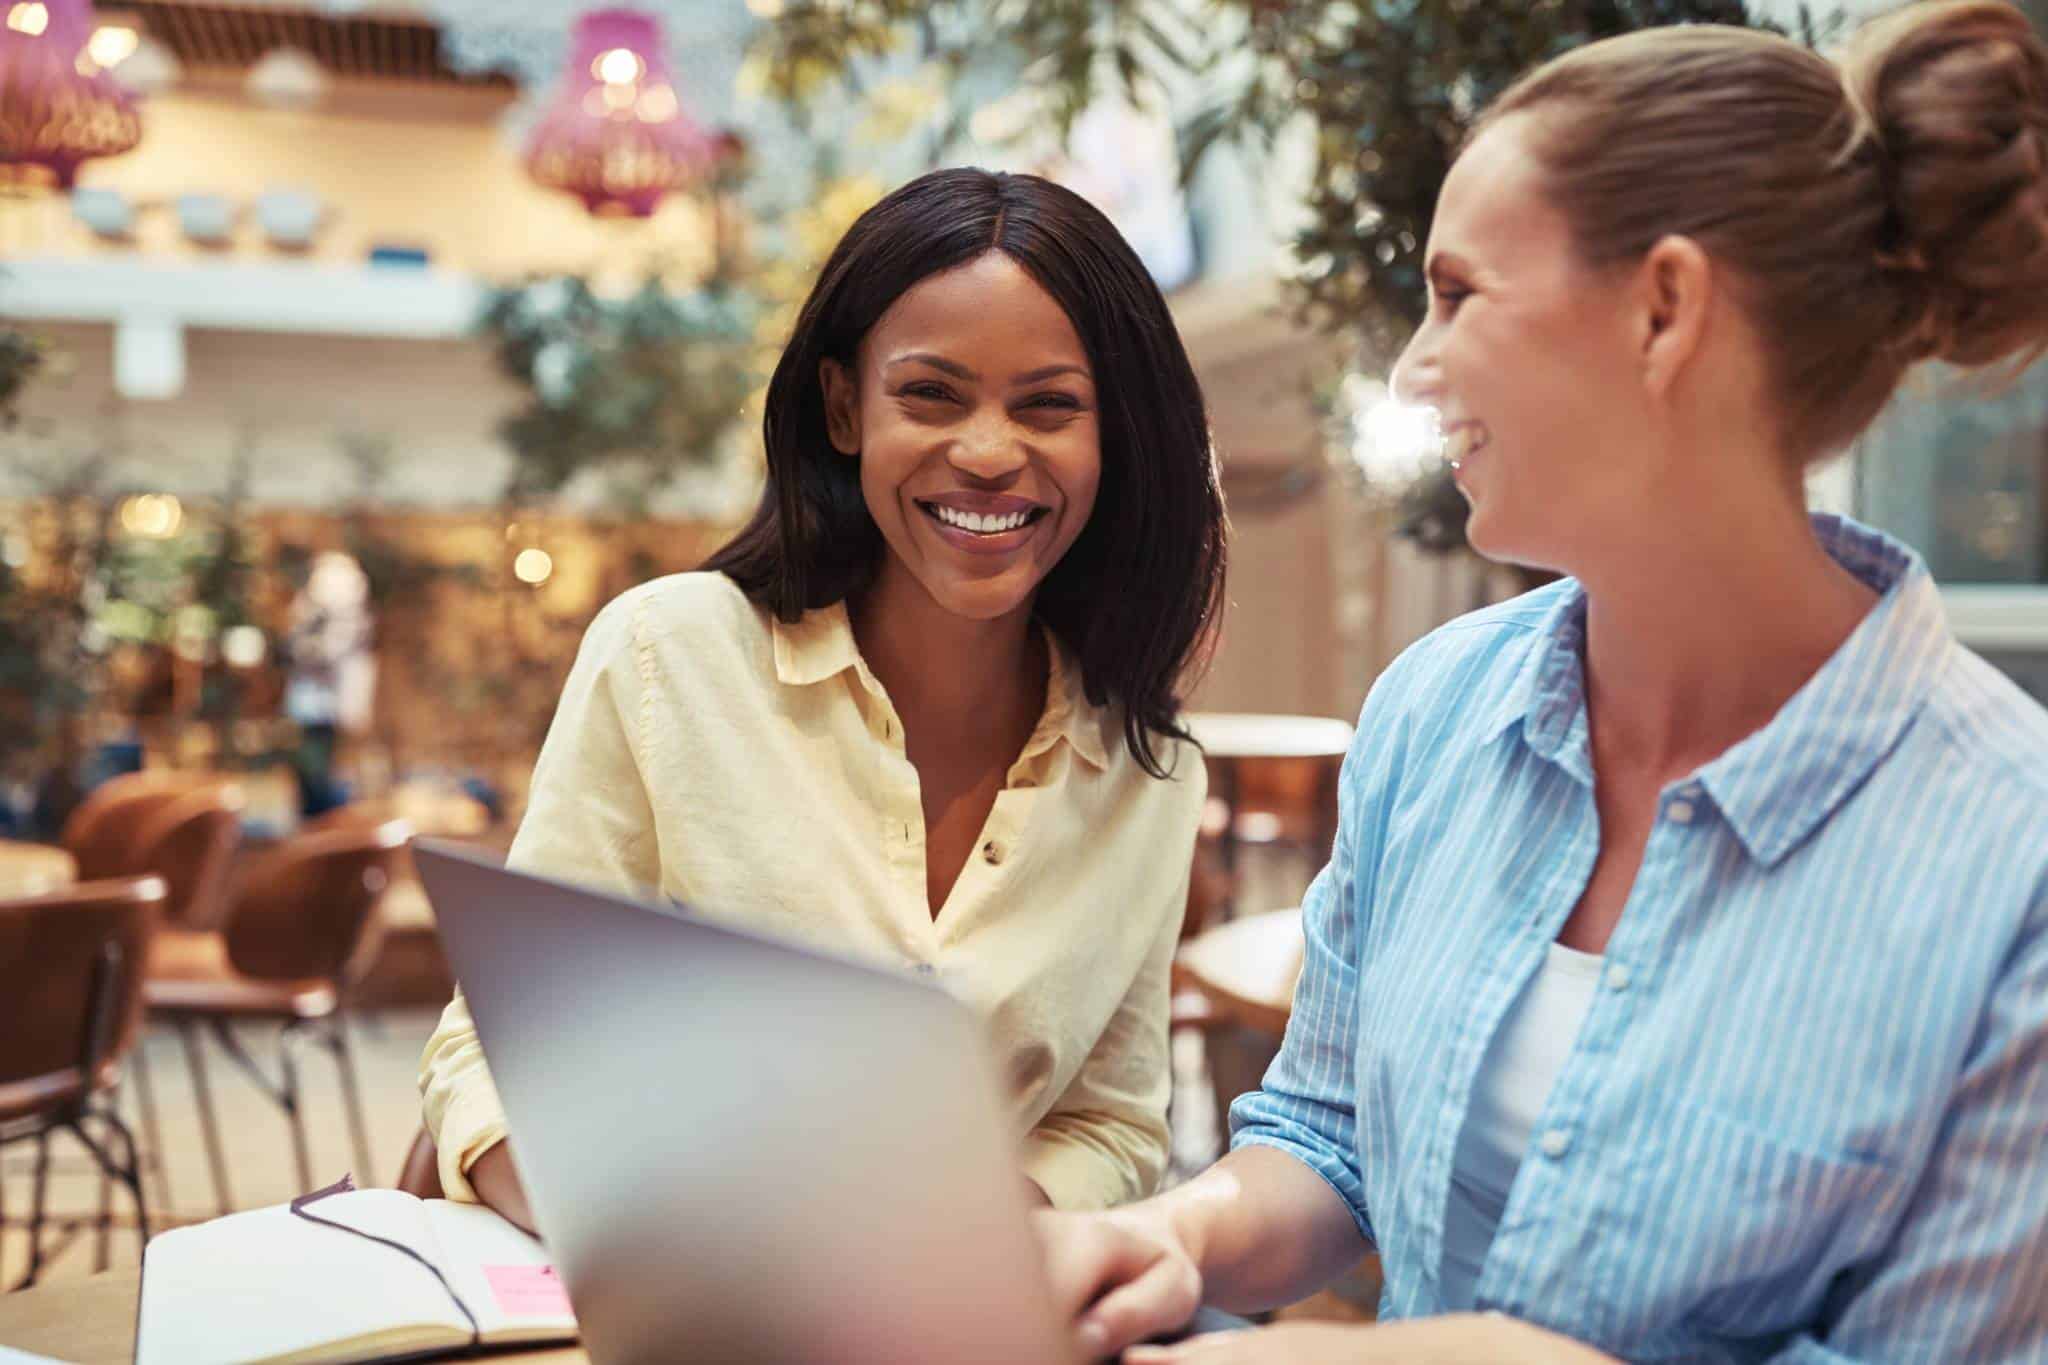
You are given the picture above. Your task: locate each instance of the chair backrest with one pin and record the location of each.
(306, 910)
(190, 842)
(421, 1175)
(100, 835)
(71, 970)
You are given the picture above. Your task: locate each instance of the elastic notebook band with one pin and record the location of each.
(347, 1185)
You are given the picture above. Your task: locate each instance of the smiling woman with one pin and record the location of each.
(971, 410)
(1039, 279)
(925, 707)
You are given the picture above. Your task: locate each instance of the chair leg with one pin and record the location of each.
(122, 1162)
(351, 1094)
(209, 1125)
(289, 1096)
(35, 1216)
(145, 1102)
(103, 1226)
(128, 1171)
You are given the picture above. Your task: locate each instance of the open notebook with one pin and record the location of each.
(270, 1286)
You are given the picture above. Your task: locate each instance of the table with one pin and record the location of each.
(33, 869)
(91, 1321)
(1247, 968)
(1244, 734)
(1304, 753)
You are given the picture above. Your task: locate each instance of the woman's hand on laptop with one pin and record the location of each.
(1256, 1230)
(1118, 1277)
(496, 1182)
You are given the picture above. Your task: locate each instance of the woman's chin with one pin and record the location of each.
(983, 599)
(1487, 537)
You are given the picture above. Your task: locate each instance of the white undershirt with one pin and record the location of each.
(1514, 1081)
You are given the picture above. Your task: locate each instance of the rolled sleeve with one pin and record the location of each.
(1306, 1105)
(459, 1103)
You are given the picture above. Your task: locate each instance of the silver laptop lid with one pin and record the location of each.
(737, 1149)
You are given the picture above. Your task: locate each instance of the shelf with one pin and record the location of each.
(150, 302)
(256, 296)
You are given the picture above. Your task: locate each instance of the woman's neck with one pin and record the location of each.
(946, 673)
(1701, 634)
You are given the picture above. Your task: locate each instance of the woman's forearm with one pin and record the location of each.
(1264, 1230)
(496, 1182)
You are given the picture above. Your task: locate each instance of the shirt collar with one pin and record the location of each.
(821, 646)
(1777, 785)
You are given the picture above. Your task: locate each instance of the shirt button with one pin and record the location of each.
(1680, 812)
(1618, 977)
(925, 969)
(992, 853)
(1556, 1142)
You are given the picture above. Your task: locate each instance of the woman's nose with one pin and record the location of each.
(987, 450)
(1417, 376)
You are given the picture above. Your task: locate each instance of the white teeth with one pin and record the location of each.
(978, 523)
(1463, 442)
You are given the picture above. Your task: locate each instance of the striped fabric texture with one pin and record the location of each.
(1806, 1118)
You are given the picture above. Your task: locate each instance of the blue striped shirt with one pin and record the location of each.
(1806, 1118)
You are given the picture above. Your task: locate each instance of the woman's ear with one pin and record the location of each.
(1677, 294)
(842, 406)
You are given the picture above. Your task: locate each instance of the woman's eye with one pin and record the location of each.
(923, 389)
(1061, 401)
(1451, 297)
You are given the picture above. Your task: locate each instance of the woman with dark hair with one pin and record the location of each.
(924, 708)
(1678, 986)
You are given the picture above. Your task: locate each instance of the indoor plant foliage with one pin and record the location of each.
(642, 386)
(21, 355)
(52, 653)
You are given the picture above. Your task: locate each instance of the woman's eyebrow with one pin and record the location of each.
(937, 362)
(1049, 372)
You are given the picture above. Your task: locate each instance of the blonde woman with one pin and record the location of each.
(1678, 987)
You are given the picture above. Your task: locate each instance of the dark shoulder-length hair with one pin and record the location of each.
(1138, 596)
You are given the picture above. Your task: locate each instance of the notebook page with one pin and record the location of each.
(503, 1274)
(267, 1286)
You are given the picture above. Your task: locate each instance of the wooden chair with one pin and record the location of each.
(300, 931)
(101, 835)
(191, 841)
(187, 833)
(71, 970)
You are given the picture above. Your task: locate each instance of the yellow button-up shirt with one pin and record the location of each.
(705, 751)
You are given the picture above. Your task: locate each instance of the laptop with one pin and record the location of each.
(739, 1149)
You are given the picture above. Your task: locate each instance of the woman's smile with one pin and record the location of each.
(983, 523)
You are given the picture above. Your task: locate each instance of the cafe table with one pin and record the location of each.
(33, 869)
(1307, 750)
(91, 1321)
(1245, 969)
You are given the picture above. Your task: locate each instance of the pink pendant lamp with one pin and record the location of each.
(617, 136)
(58, 108)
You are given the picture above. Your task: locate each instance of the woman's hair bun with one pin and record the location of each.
(1955, 95)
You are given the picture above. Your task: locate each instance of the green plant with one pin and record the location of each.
(641, 387)
(51, 660)
(21, 356)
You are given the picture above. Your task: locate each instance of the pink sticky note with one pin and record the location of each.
(528, 1291)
